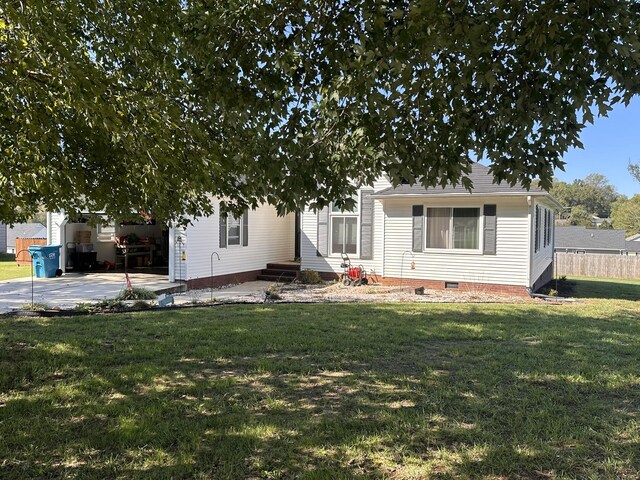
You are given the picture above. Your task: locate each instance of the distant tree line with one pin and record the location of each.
(595, 196)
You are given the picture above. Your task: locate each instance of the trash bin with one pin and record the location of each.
(46, 260)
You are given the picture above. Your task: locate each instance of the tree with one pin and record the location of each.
(593, 194)
(634, 170)
(626, 214)
(123, 106)
(580, 216)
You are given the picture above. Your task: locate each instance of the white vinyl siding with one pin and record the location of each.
(507, 267)
(541, 258)
(271, 240)
(309, 238)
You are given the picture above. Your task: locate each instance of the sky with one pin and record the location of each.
(609, 145)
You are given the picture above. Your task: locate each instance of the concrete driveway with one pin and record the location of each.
(73, 288)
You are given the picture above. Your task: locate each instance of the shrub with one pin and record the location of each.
(273, 293)
(310, 277)
(36, 307)
(141, 305)
(136, 294)
(552, 292)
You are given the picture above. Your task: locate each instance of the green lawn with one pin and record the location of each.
(325, 392)
(612, 288)
(9, 269)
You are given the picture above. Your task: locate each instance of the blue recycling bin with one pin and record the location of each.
(46, 260)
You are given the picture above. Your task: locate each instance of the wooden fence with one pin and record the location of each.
(595, 265)
(23, 244)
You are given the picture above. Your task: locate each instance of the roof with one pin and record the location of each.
(25, 230)
(483, 184)
(632, 246)
(589, 238)
(634, 238)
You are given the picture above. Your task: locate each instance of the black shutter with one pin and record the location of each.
(537, 229)
(323, 233)
(245, 228)
(223, 230)
(489, 230)
(366, 225)
(418, 228)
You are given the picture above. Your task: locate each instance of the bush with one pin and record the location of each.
(310, 277)
(273, 293)
(552, 292)
(136, 294)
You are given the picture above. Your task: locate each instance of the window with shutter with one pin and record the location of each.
(234, 231)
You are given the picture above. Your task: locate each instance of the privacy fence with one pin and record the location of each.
(23, 244)
(594, 265)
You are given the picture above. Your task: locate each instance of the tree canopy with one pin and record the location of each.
(128, 105)
(626, 214)
(582, 198)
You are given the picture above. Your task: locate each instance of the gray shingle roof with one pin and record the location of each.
(632, 246)
(482, 184)
(589, 238)
(25, 230)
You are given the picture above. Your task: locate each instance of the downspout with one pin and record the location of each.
(172, 254)
(49, 228)
(63, 241)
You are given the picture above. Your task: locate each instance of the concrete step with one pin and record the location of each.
(294, 267)
(276, 278)
(277, 271)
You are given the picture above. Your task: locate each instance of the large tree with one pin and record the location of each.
(594, 195)
(626, 214)
(148, 105)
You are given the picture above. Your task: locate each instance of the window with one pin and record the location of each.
(106, 233)
(234, 225)
(453, 228)
(234, 231)
(344, 229)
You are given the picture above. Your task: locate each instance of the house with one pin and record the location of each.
(579, 239)
(211, 251)
(497, 238)
(3, 238)
(24, 230)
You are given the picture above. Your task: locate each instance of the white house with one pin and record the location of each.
(498, 238)
(210, 251)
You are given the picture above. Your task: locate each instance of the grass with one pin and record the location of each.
(9, 269)
(612, 288)
(406, 391)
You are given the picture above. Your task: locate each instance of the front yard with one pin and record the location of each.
(10, 269)
(326, 391)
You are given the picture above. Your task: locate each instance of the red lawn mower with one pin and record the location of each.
(351, 275)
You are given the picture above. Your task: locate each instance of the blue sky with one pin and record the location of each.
(609, 144)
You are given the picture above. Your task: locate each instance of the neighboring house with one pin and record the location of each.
(497, 238)
(244, 245)
(3, 238)
(596, 221)
(24, 230)
(578, 239)
(633, 247)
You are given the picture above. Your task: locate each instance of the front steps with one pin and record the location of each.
(285, 272)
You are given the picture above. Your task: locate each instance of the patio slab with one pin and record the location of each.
(73, 288)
